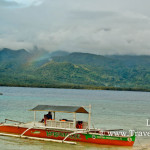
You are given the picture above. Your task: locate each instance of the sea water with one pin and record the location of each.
(110, 110)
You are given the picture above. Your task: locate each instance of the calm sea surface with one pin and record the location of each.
(110, 110)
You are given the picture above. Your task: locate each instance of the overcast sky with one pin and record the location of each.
(95, 26)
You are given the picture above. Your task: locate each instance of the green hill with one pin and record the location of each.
(132, 61)
(87, 59)
(74, 70)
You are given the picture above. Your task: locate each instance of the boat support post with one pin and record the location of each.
(34, 117)
(89, 121)
(74, 119)
(54, 115)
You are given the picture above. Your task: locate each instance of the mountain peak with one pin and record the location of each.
(59, 53)
(7, 50)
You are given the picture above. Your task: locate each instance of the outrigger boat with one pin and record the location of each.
(64, 131)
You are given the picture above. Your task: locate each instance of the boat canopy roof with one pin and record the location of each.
(66, 109)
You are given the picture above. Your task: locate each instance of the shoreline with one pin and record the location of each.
(86, 87)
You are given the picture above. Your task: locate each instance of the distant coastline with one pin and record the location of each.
(61, 69)
(86, 87)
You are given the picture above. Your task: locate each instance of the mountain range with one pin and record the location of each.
(62, 69)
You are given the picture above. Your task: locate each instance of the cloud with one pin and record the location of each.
(18, 3)
(89, 15)
(97, 26)
(28, 3)
(5, 3)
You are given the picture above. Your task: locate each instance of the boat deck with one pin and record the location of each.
(40, 125)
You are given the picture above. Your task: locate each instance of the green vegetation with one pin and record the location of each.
(75, 70)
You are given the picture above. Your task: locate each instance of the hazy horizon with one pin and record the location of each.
(44, 52)
(100, 27)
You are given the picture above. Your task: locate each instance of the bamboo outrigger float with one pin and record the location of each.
(65, 131)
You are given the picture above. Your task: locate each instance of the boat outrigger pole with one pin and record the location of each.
(89, 117)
